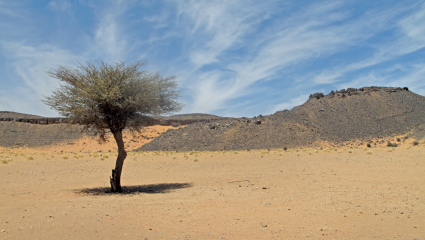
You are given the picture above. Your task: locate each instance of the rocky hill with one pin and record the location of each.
(338, 117)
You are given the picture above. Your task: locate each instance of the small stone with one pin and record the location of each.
(264, 225)
(264, 188)
(376, 213)
(2, 230)
(69, 200)
(107, 214)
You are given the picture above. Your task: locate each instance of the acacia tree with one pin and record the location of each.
(112, 97)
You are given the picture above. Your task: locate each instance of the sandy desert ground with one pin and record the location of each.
(259, 194)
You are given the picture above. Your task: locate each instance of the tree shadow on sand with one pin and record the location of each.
(136, 189)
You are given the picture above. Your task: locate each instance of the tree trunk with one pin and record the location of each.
(122, 154)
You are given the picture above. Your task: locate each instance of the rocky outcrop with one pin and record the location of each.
(42, 121)
(340, 116)
(356, 91)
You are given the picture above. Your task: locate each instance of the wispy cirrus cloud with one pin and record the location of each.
(311, 34)
(408, 38)
(30, 65)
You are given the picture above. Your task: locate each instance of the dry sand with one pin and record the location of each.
(309, 194)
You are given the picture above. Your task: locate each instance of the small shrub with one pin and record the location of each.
(196, 160)
(285, 148)
(30, 158)
(65, 157)
(398, 139)
(4, 161)
(368, 145)
(390, 144)
(415, 143)
(174, 157)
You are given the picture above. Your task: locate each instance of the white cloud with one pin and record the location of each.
(303, 36)
(110, 39)
(410, 38)
(216, 26)
(31, 83)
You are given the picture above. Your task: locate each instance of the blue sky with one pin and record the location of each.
(235, 58)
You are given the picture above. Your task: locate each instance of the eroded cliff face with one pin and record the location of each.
(345, 115)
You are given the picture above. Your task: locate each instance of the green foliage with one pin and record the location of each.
(415, 143)
(114, 96)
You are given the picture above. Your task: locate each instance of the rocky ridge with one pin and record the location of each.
(338, 117)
